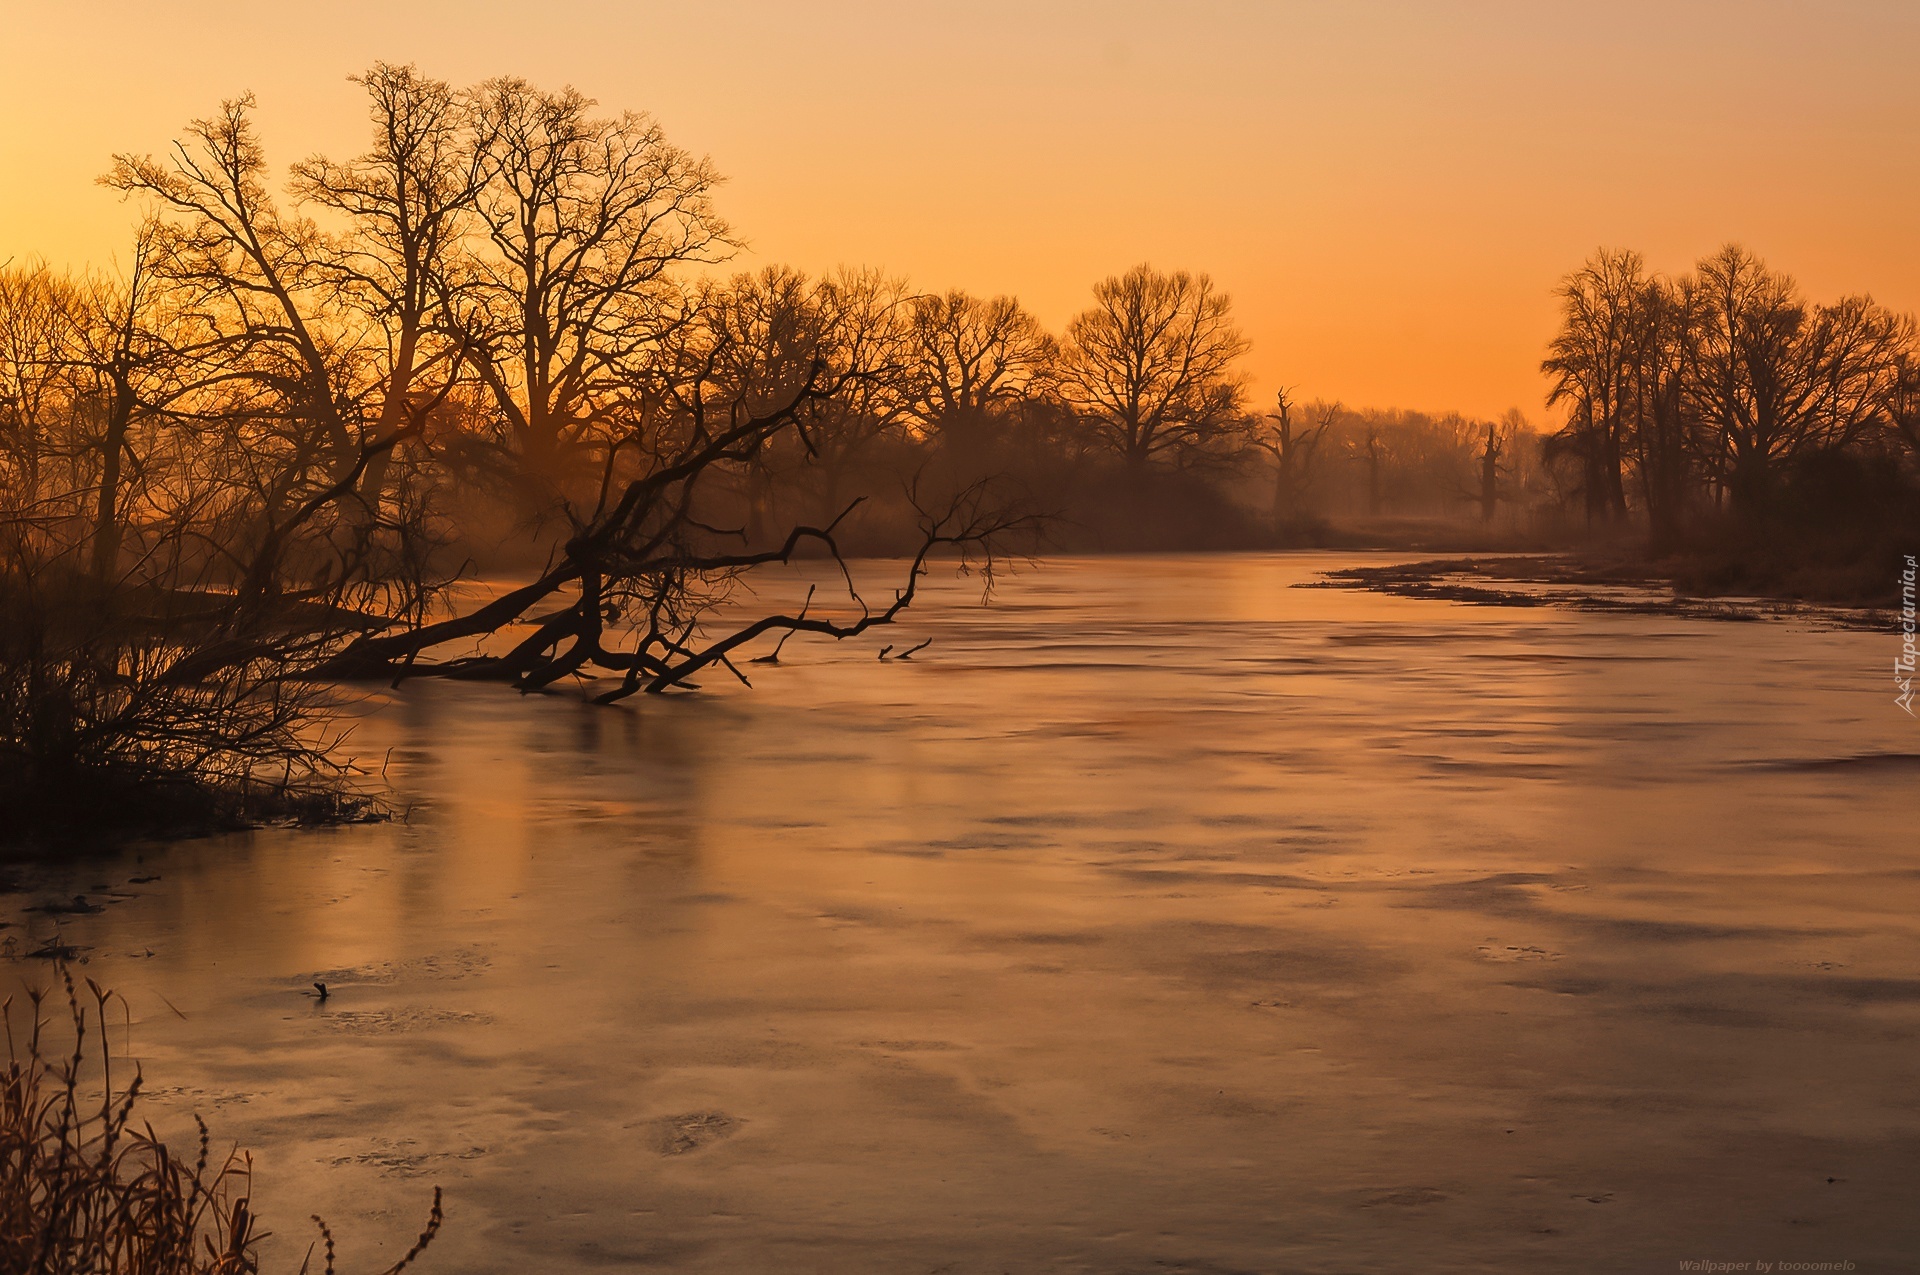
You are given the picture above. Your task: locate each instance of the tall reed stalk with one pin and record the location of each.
(87, 1189)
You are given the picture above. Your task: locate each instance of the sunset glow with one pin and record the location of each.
(1388, 191)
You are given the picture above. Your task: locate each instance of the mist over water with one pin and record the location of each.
(1159, 916)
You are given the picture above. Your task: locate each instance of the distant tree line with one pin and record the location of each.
(1355, 465)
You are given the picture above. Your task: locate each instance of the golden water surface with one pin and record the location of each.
(1160, 916)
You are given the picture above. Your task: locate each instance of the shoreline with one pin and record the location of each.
(1568, 582)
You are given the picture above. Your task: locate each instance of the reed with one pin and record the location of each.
(86, 1188)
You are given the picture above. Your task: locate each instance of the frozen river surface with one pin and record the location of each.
(1161, 917)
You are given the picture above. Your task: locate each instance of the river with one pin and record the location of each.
(1160, 916)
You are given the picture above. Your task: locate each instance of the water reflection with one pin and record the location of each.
(1162, 916)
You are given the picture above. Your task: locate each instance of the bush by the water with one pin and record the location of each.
(1838, 531)
(112, 720)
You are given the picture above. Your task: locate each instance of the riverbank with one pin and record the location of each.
(1601, 584)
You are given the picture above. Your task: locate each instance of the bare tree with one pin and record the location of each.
(864, 316)
(297, 392)
(763, 334)
(119, 352)
(754, 343)
(32, 318)
(404, 210)
(586, 216)
(1662, 435)
(1589, 367)
(1903, 398)
(1490, 474)
(1150, 368)
(1293, 453)
(1372, 450)
(972, 359)
(1778, 378)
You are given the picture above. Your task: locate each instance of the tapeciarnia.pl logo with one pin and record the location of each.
(1903, 664)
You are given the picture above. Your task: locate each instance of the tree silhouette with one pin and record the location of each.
(1150, 368)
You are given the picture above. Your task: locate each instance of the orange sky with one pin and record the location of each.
(1388, 190)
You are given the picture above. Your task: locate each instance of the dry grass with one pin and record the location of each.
(85, 1189)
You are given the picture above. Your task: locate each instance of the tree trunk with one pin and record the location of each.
(1489, 478)
(1373, 477)
(106, 517)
